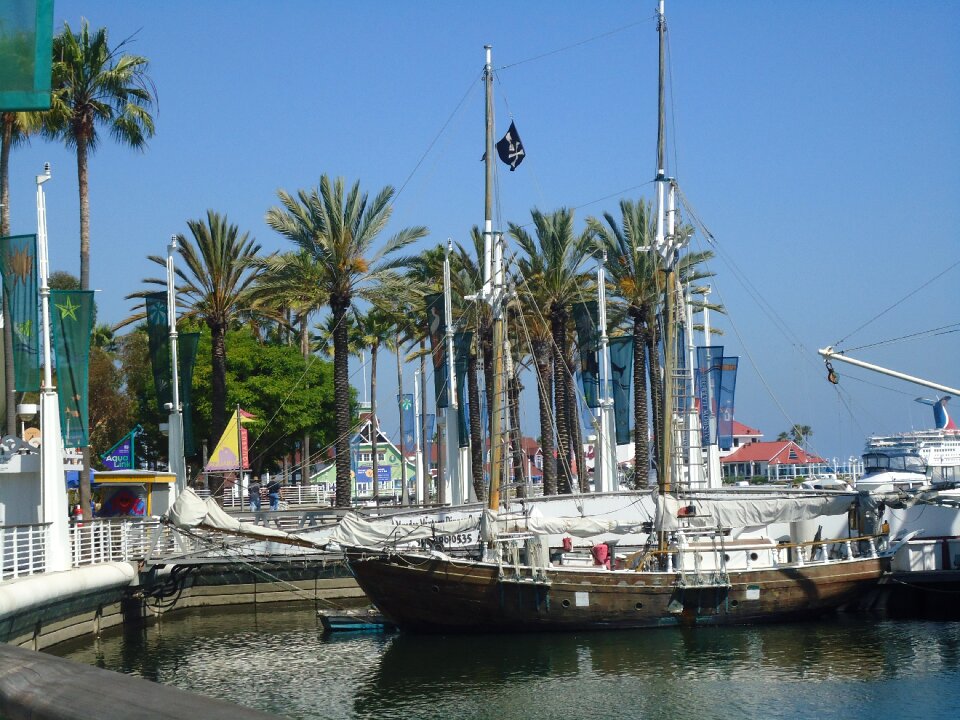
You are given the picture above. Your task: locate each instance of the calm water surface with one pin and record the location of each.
(278, 660)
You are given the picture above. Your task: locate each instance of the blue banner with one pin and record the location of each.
(408, 440)
(728, 387)
(384, 473)
(709, 362)
(621, 366)
(461, 356)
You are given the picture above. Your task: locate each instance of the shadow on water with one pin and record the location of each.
(277, 659)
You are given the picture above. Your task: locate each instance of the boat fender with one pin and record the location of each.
(567, 544)
(601, 555)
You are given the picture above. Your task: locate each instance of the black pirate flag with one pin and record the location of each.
(510, 149)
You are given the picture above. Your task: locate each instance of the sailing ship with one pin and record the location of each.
(694, 565)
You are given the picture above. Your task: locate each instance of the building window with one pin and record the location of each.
(363, 457)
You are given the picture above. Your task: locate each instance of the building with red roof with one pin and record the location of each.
(780, 460)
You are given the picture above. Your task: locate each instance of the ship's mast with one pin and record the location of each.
(493, 294)
(662, 244)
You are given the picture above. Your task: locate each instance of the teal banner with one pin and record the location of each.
(187, 359)
(437, 327)
(621, 367)
(72, 313)
(18, 263)
(461, 357)
(585, 317)
(26, 54)
(158, 334)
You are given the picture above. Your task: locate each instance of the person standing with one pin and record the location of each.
(254, 492)
(273, 492)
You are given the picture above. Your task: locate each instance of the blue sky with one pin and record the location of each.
(818, 141)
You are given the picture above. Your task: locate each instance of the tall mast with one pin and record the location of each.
(665, 433)
(492, 291)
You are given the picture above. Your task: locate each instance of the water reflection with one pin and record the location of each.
(277, 659)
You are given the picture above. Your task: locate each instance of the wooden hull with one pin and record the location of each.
(434, 594)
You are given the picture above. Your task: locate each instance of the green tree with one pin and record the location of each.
(290, 395)
(339, 227)
(798, 434)
(292, 283)
(96, 85)
(215, 276)
(636, 282)
(552, 263)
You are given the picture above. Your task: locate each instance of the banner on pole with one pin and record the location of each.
(709, 362)
(728, 387)
(437, 327)
(586, 319)
(18, 263)
(72, 314)
(187, 359)
(621, 367)
(158, 335)
(461, 355)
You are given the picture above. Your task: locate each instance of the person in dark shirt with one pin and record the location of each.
(273, 491)
(254, 491)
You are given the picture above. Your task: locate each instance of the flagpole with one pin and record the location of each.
(175, 421)
(53, 492)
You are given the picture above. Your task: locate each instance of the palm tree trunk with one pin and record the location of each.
(641, 408)
(83, 183)
(218, 382)
(404, 490)
(374, 427)
(425, 484)
(9, 380)
(516, 441)
(656, 387)
(305, 352)
(544, 395)
(476, 433)
(558, 319)
(341, 398)
(82, 180)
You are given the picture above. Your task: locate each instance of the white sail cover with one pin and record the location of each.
(355, 531)
(191, 511)
(738, 512)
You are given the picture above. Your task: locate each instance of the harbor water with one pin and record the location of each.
(277, 659)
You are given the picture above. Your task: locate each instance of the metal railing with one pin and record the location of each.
(22, 550)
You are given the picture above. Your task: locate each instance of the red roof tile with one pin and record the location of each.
(776, 452)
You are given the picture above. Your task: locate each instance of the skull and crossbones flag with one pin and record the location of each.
(510, 149)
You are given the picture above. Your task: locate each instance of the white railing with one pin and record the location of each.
(125, 540)
(22, 550)
(291, 494)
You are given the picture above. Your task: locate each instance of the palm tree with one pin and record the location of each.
(375, 327)
(94, 84)
(635, 275)
(15, 129)
(291, 282)
(216, 276)
(798, 433)
(338, 227)
(552, 264)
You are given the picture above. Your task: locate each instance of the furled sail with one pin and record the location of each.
(191, 511)
(737, 512)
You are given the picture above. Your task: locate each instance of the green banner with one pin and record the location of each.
(187, 357)
(621, 366)
(72, 312)
(26, 42)
(585, 317)
(18, 262)
(437, 328)
(461, 356)
(158, 334)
